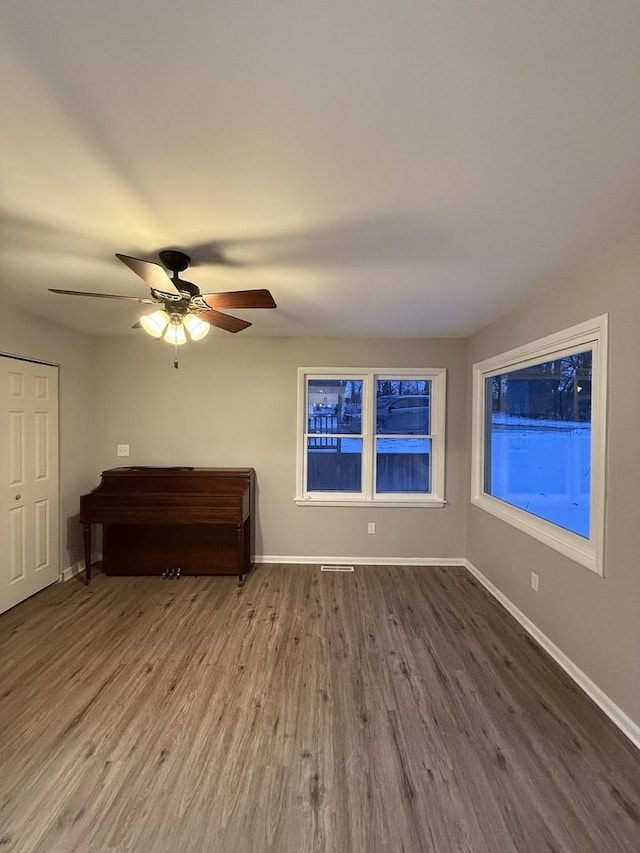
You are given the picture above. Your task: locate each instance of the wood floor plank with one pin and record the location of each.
(392, 710)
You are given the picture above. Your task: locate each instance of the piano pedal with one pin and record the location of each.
(165, 574)
(177, 574)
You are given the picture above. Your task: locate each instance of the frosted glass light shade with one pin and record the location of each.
(155, 323)
(175, 334)
(196, 327)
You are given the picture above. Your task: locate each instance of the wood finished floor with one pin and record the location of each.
(393, 710)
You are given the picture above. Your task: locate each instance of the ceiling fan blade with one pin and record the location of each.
(101, 295)
(224, 321)
(137, 325)
(153, 274)
(240, 299)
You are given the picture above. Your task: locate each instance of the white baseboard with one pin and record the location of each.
(362, 561)
(72, 571)
(75, 569)
(626, 725)
(78, 567)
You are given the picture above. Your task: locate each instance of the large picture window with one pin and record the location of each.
(371, 436)
(538, 442)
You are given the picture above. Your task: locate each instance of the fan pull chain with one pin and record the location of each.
(175, 356)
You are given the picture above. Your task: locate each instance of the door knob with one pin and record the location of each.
(18, 497)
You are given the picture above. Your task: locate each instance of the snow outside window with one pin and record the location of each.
(538, 443)
(371, 437)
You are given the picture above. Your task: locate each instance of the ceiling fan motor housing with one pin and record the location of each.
(174, 260)
(177, 261)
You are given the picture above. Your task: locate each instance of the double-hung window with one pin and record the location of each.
(538, 446)
(371, 436)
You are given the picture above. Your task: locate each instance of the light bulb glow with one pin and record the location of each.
(155, 323)
(196, 327)
(175, 334)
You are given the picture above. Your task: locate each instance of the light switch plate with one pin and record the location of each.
(123, 450)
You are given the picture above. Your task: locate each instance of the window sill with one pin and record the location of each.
(580, 550)
(431, 503)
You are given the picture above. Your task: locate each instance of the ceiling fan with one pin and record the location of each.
(182, 304)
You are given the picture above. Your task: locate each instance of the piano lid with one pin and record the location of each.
(184, 480)
(176, 470)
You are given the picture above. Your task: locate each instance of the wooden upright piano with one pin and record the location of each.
(199, 521)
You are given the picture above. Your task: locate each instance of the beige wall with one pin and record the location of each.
(233, 403)
(29, 337)
(594, 620)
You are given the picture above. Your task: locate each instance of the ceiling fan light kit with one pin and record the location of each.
(196, 327)
(155, 323)
(184, 309)
(160, 324)
(175, 334)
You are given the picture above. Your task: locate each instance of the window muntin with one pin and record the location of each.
(539, 446)
(370, 437)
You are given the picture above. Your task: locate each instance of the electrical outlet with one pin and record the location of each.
(371, 527)
(123, 450)
(534, 581)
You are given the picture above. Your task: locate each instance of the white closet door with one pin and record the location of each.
(29, 525)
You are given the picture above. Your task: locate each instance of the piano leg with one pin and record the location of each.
(87, 553)
(241, 556)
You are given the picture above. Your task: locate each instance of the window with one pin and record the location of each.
(371, 437)
(539, 439)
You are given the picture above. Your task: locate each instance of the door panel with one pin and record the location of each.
(42, 555)
(41, 445)
(16, 448)
(29, 526)
(16, 544)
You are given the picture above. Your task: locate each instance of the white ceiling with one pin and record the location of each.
(384, 167)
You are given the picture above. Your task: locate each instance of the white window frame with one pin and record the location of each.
(367, 497)
(592, 334)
